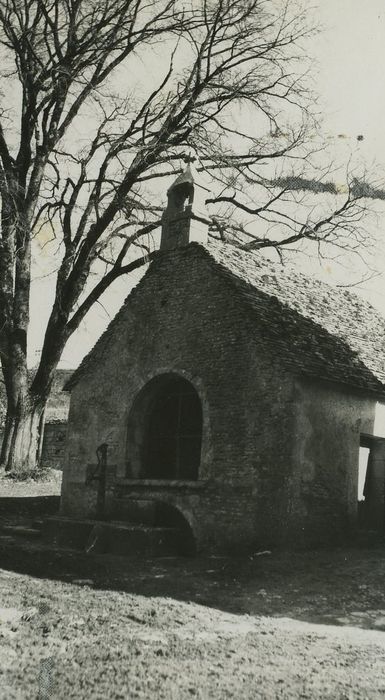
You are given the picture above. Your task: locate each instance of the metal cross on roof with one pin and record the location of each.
(188, 158)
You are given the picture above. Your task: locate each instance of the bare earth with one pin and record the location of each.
(277, 625)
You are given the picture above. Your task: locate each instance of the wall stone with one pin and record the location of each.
(185, 320)
(329, 421)
(54, 444)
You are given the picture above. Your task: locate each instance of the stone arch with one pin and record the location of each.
(165, 428)
(170, 515)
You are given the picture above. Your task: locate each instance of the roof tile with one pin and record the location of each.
(319, 330)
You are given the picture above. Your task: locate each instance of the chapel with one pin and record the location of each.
(232, 404)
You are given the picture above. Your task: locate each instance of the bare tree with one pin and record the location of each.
(83, 146)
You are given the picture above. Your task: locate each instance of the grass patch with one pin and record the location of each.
(41, 474)
(42, 482)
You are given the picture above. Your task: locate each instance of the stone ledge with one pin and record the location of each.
(163, 484)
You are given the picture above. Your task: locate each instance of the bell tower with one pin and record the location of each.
(185, 218)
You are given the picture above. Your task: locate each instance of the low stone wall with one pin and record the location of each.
(53, 444)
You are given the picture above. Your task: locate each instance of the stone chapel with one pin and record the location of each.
(239, 404)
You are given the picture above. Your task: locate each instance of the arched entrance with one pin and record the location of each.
(173, 432)
(165, 431)
(168, 515)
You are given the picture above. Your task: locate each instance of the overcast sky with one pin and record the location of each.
(351, 84)
(351, 61)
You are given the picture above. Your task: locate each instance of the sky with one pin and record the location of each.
(349, 55)
(349, 73)
(351, 81)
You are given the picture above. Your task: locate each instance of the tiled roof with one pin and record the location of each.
(320, 329)
(316, 329)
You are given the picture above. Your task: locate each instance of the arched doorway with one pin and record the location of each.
(168, 515)
(172, 439)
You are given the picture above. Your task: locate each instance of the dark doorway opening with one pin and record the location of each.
(169, 516)
(173, 436)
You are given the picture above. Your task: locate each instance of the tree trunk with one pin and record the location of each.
(23, 434)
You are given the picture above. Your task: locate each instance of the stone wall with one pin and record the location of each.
(329, 421)
(182, 318)
(53, 444)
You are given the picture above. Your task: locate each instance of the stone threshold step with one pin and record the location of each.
(20, 531)
(17, 549)
(113, 537)
(108, 524)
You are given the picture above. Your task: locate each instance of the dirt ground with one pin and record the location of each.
(272, 626)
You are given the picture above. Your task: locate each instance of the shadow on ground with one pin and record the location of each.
(28, 506)
(343, 586)
(339, 586)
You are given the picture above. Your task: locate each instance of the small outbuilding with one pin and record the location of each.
(237, 402)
